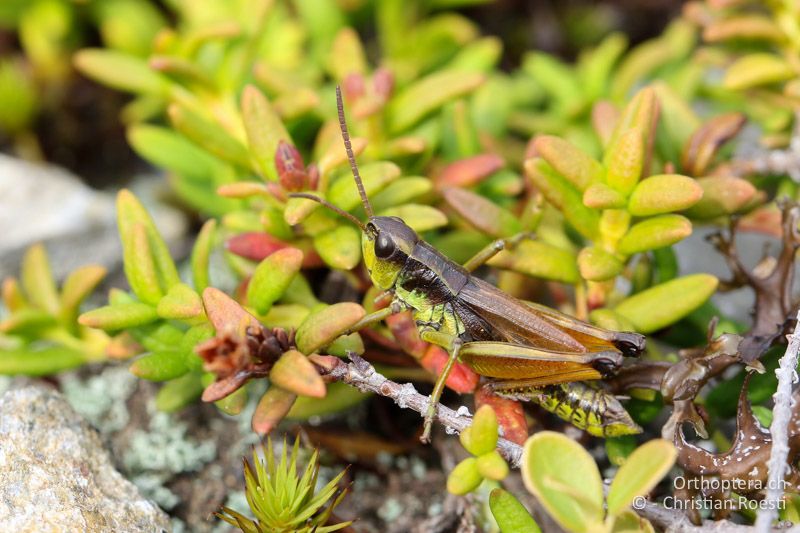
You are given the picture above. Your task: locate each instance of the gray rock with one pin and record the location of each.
(77, 224)
(55, 474)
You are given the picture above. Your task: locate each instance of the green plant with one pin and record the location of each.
(480, 439)
(755, 43)
(36, 79)
(282, 500)
(40, 335)
(565, 479)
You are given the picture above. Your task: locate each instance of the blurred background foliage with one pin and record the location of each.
(466, 136)
(609, 131)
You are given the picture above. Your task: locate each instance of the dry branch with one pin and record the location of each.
(363, 376)
(777, 464)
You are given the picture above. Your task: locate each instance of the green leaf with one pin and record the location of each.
(321, 327)
(78, 285)
(160, 366)
(180, 302)
(339, 398)
(295, 373)
(564, 196)
(179, 392)
(27, 321)
(664, 193)
(655, 232)
(564, 478)
(119, 316)
(625, 161)
(540, 260)
(401, 191)
(417, 216)
(225, 313)
(271, 408)
(37, 280)
(492, 466)
(510, 515)
(148, 264)
(210, 136)
(40, 362)
(464, 478)
(601, 196)
(481, 437)
(571, 162)
(428, 94)
(346, 344)
(757, 69)
(201, 254)
(481, 213)
(340, 247)
(167, 149)
(630, 522)
(264, 131)
(558, 80)
(347, 55)
(619, 448)
(596, 264)
(375, 176)
(722, 195)
(272, 277)
(120, 71)
(665, 304)
(643, 469)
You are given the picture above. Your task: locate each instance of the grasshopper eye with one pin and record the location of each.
(384, 246)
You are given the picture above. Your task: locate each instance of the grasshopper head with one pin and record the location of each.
(387, 242)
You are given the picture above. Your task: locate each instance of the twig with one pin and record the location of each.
(363, 375)
(779, 430)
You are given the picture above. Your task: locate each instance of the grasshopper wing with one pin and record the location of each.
(512, 321)
(536, 325)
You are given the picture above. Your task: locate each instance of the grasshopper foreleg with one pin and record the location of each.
(376, 316)
(453, 346)
(493, 249)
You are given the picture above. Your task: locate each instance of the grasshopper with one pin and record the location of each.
(520, 346)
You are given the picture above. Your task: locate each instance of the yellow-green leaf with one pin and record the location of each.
(37, 280)
(565, 479)
(664, 193)
(643, 469)
(323, 326)
(510, 515)
(428, 94)
(264, 131)
(295, 373)
(119, 316)
(665, 304)
(655, 232)
(753, 70)
(272, 277)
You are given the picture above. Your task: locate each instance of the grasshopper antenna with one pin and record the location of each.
(330, 206)
(352, 158)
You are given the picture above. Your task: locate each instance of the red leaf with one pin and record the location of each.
(469, 171)
(462, 378)
(254, 245)
(405, 332)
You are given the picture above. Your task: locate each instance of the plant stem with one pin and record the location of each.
(362, 375)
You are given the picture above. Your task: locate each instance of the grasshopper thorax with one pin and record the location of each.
(387, 242)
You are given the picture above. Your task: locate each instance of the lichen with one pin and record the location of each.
(101, 399)
(166, 448)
